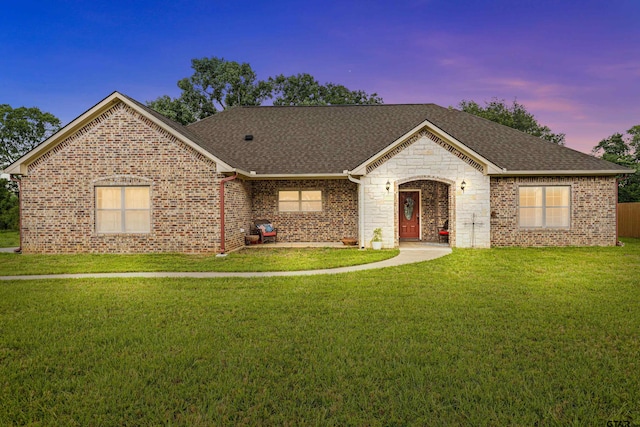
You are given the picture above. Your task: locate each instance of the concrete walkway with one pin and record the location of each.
(408, 254)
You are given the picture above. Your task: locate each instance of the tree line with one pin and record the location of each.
(21, 130)
(217, 84)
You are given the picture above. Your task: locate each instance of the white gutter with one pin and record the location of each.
(505, 172)
(360, 209)
(257, 176)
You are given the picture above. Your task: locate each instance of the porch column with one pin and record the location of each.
(360, 210)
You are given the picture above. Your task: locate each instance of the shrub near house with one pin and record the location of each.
(9, 209)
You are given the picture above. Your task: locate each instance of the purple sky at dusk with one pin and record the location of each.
(574, 64)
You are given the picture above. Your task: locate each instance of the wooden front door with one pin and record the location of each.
(409, 214)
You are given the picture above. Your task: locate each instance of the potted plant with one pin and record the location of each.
(376, 242)
(349, 241)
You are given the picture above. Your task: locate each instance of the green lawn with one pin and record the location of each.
(9, 239)
(480, 337)
(262, 259)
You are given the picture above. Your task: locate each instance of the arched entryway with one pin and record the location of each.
(424, 205)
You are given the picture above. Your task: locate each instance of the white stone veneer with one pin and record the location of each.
(426, 160)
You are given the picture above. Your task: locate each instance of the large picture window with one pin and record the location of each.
(544, 207)
(300, 200)
(123, 210)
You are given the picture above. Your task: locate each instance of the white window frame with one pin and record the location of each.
(122, 209)
(544, 208)
(300, 201)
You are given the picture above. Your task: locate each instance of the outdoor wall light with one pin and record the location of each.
(463, 185)
(387, 186)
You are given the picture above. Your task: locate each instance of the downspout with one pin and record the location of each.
(19, 250)
(360, 209)
(229, 178)
(617, 190)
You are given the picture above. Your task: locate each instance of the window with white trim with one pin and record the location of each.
(300, 200)
(123, 209)
(544, 207)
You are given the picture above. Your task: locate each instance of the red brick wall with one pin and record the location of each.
(338, 219)
(593, 213)
(120, 147)
(237, 217)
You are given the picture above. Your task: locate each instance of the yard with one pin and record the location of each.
(480, 337)
(9, 239)
(263, 259)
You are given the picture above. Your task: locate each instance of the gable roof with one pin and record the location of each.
(328, 140)
(176, 129)
(305, 140)
(513, 150)
(331, 139)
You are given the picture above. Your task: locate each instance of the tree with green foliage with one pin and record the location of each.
(515, 116)
(9, 209)
(174, 109)
(625, 151)
(218, 84)
(304, 89)
(21, 129)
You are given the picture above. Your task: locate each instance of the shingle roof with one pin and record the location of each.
(305, 140)
(331, 139)
(320, 140)
(514, 150)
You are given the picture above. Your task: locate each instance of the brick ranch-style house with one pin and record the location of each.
(122, 178)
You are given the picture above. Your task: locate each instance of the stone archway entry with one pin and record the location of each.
(409, 214)
(436, 206)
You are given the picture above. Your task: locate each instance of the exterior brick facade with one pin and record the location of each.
(593, 213)
(237, 213)
(338, 218)
(120, 147)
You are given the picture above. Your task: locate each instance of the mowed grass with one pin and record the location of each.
(480, 337)
(9, 239)
(267, 259)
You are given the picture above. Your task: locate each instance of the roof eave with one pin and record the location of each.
(597, 172)
(221, 166)
(252, 175)
(19, 167)
(15, 169)
(489, 166)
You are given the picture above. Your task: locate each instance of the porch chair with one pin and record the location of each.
(443, 232)
(266, 230)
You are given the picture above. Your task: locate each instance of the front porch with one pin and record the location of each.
(280, 244)
(425, 206)
(420, 246)
(404, 245)
(338, 218)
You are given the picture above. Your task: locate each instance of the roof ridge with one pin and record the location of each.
(331, 105)
(341, 136)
